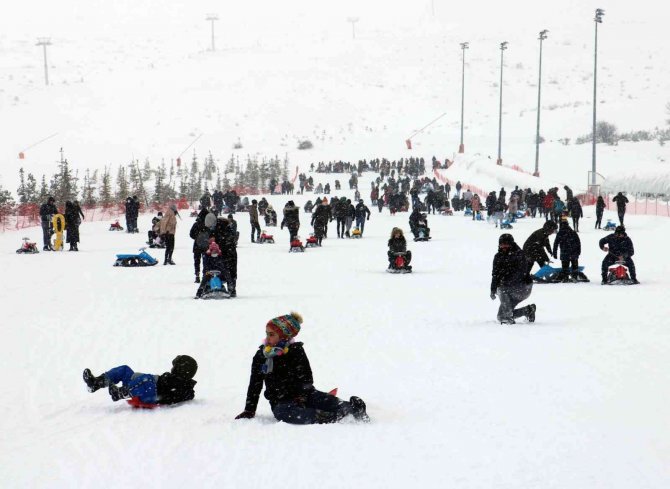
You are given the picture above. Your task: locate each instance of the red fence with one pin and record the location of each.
(643, 206)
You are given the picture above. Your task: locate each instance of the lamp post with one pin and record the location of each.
(464, 46)
(212, 18)
(543, 36)
(353, 21)
(44, 42)
(598, 20)
(503, 46)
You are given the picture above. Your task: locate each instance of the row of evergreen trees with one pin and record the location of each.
(151, 184)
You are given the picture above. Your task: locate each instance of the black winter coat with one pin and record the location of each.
(290, 379)
(47, 210)
(510, 268)
(362, 211)
(618, 245)
(536, 244)
(568, 240)
(291, 217)
(172, 389)
(397, 245)
(621, 201)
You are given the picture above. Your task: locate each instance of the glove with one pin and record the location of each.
(245, 415)
(493, 295)
(368, 218)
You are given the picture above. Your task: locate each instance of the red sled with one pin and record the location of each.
(311, 242)
(137, 404)
(296, 246)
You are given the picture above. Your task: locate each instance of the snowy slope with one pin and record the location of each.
(135, 81)
(456, 400)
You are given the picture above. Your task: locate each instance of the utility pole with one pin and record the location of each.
(353, 21)
(464, 46)
(543, 36)
(44, 42)
(598, 20)
(212, 18)
(503, 46)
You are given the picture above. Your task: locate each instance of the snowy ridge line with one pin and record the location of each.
(473, 188)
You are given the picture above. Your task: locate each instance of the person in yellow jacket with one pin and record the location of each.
(168, 227)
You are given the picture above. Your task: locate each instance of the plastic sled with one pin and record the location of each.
(422, 235)
(28, 248)
(296, 246)
(399, 265)
(356, 233)
(519, 215)
(505, 224)
(554, 275)
(115, 226)
(142, 259)
(446, 211)
(213, 288)
(137, 404)
(610, 226)
(311, 242)
(265, 238)
(468, 212)
(618, 274)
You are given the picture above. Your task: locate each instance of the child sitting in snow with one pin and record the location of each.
(169, 388)
(281, 363)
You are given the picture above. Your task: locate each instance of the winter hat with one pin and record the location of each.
(184, 366)
(549, 226)
(620, 230)
(254, 201)
(506, 239)
(286, 326)
(213, 249)
(210, 220)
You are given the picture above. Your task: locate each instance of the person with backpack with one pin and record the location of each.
(362, 214)
(253, 220)
(200, 234)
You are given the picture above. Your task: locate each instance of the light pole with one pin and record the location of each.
(464, 46)
(212, 18)
(598, 20)
(44, 42)
(503, 46)
(543, 36)
(353, 21)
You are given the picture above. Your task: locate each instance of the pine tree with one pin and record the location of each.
(106, 189)
(195, 181)
(21, 191)
(44, 190)
(146, 171)
(230, 165)
(31, 189)
(63, 185)
(88, 194)
(121, 184)
(134, 179)
(6, 200)
(159, 185)
(210, 168)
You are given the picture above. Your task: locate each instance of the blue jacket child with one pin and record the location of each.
(169, 388)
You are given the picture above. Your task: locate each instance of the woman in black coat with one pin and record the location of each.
(600, 207)
(73, 216)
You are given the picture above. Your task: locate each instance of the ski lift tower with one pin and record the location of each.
(44, 42)
(212, 18)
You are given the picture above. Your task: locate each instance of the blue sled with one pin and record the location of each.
(552, 275)
(142, 259)
(468, 211)
(610, 226)
(506, 224)
(520, 214)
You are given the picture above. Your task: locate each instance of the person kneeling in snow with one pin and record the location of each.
(281, 363)
(169, 388)
(511, 281)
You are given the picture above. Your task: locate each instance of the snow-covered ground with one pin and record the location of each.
(456, 400)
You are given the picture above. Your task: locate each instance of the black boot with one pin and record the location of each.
(94, 383)
(119, 393)
(530, 313)
(326, 417)
(197, 278)
(358, 409)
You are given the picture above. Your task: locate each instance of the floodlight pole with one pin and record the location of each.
(44, 42)
(543, 36)
(212, 18)
(503, 46)
(598, 20)
(353, 21)
(464, 46)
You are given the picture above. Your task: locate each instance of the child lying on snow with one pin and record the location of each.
(282, 365)
(169, 388)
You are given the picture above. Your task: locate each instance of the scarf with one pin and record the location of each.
(269, 352)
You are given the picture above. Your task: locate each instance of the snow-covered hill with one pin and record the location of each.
(136, 81)
(456, 400)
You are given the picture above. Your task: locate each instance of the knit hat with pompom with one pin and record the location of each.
(286, 326)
